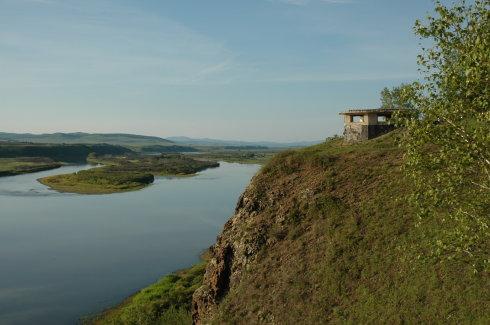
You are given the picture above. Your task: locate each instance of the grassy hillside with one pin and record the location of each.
(59, 152)
(324, 234)
(87, 138)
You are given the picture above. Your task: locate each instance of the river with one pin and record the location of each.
(64, 256)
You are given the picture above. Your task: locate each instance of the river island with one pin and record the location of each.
(123, 174)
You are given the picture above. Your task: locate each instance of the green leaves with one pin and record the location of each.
(396, 98)
(447, 138)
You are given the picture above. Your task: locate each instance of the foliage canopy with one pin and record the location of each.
(448, 137)
(396, 97)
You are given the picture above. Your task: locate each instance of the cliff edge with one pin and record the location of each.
(324, 235)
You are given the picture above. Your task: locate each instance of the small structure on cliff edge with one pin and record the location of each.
(365, 124)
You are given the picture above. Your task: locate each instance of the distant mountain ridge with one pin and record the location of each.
(122, 139)
(134, 140)
(215, 142)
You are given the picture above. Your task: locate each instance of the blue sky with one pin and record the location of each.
(236, 69)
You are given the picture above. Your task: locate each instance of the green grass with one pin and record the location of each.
(17, 166)
(166, 302)
(98, 181)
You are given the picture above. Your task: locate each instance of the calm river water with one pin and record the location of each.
(63, 256)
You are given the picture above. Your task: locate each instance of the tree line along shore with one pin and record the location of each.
(122, 168)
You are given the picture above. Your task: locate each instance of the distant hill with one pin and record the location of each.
(233, 143)
(166, 149)
(73, 153)
(121, 139)
(133, 141)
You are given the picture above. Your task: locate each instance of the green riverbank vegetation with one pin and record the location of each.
(162, 165)
(168, 301)
(239, 156)
(18, 166)
(105, 180)
(123, 174)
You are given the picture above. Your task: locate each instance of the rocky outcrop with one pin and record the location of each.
(217, 283)
(234, 249)
(265, 205)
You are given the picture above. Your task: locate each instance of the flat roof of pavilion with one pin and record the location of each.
(362, 111)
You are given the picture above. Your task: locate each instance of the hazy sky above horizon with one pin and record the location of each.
(244, 69)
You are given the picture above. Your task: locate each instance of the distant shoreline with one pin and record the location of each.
(21, 166)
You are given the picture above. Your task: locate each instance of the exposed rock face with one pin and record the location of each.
(218, 283)
(244, 236)
(229, 255)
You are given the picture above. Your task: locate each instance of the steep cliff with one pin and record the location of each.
(324, 234)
